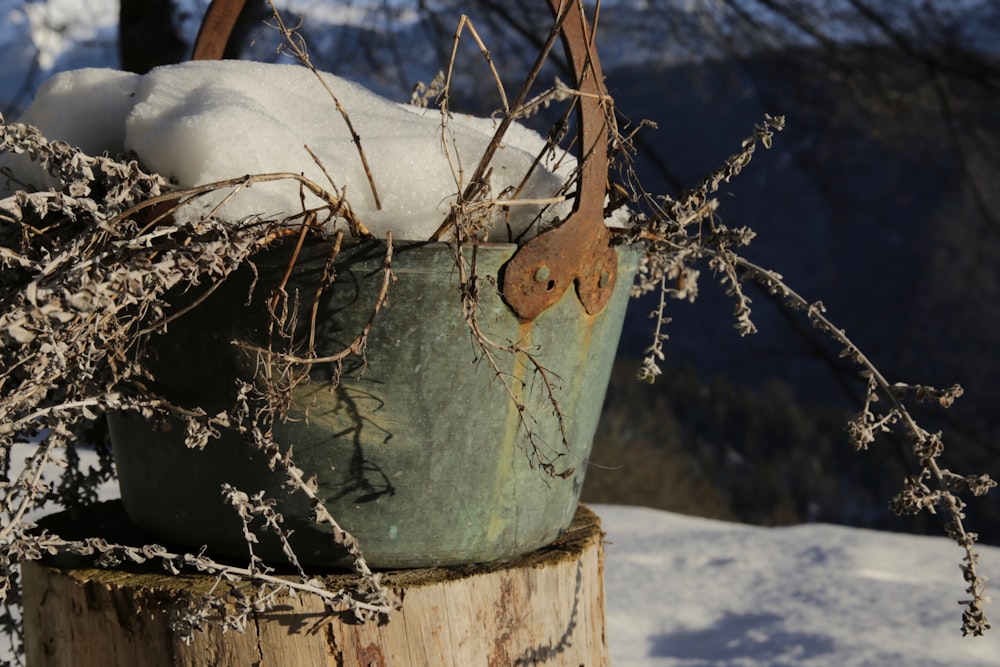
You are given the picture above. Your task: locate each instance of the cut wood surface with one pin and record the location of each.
(545, 608)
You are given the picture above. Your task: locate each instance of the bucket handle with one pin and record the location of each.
(578, 251)
(216, 27)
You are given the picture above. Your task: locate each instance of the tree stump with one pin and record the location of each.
(545, 608)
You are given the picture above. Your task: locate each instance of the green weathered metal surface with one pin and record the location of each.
(418, 451)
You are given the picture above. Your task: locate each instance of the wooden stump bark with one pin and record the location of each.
(545, 608)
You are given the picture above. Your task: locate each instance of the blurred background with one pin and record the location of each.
(881, 198)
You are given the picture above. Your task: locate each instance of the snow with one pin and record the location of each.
(40, 38)
(685, 591)
(207, 121)
(56, 23)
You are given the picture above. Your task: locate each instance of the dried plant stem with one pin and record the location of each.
(29, 479)
(676, 233)
(329, 275)
(296, 45)
(16, 425)
(463, 23)
(357, 346)
(179, 196)
(175, 561)
(342, 538)
(357, 228)
(79, 303)
(307, 224)
(489, 349)
(476, 182)
(926, 446)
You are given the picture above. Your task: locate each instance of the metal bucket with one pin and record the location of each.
(417, 452)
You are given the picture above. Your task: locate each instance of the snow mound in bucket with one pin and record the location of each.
(205, 121)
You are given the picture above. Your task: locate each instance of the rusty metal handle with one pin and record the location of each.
(216, 27)
(577, 252)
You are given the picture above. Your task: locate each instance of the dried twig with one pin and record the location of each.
(664, 228)
(295, 45)
(79, 300)
(475, 186)
(513, 385)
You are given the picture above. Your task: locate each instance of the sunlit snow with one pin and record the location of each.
(208, 121)
(690, 592)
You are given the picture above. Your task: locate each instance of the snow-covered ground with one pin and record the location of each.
(690, 592)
